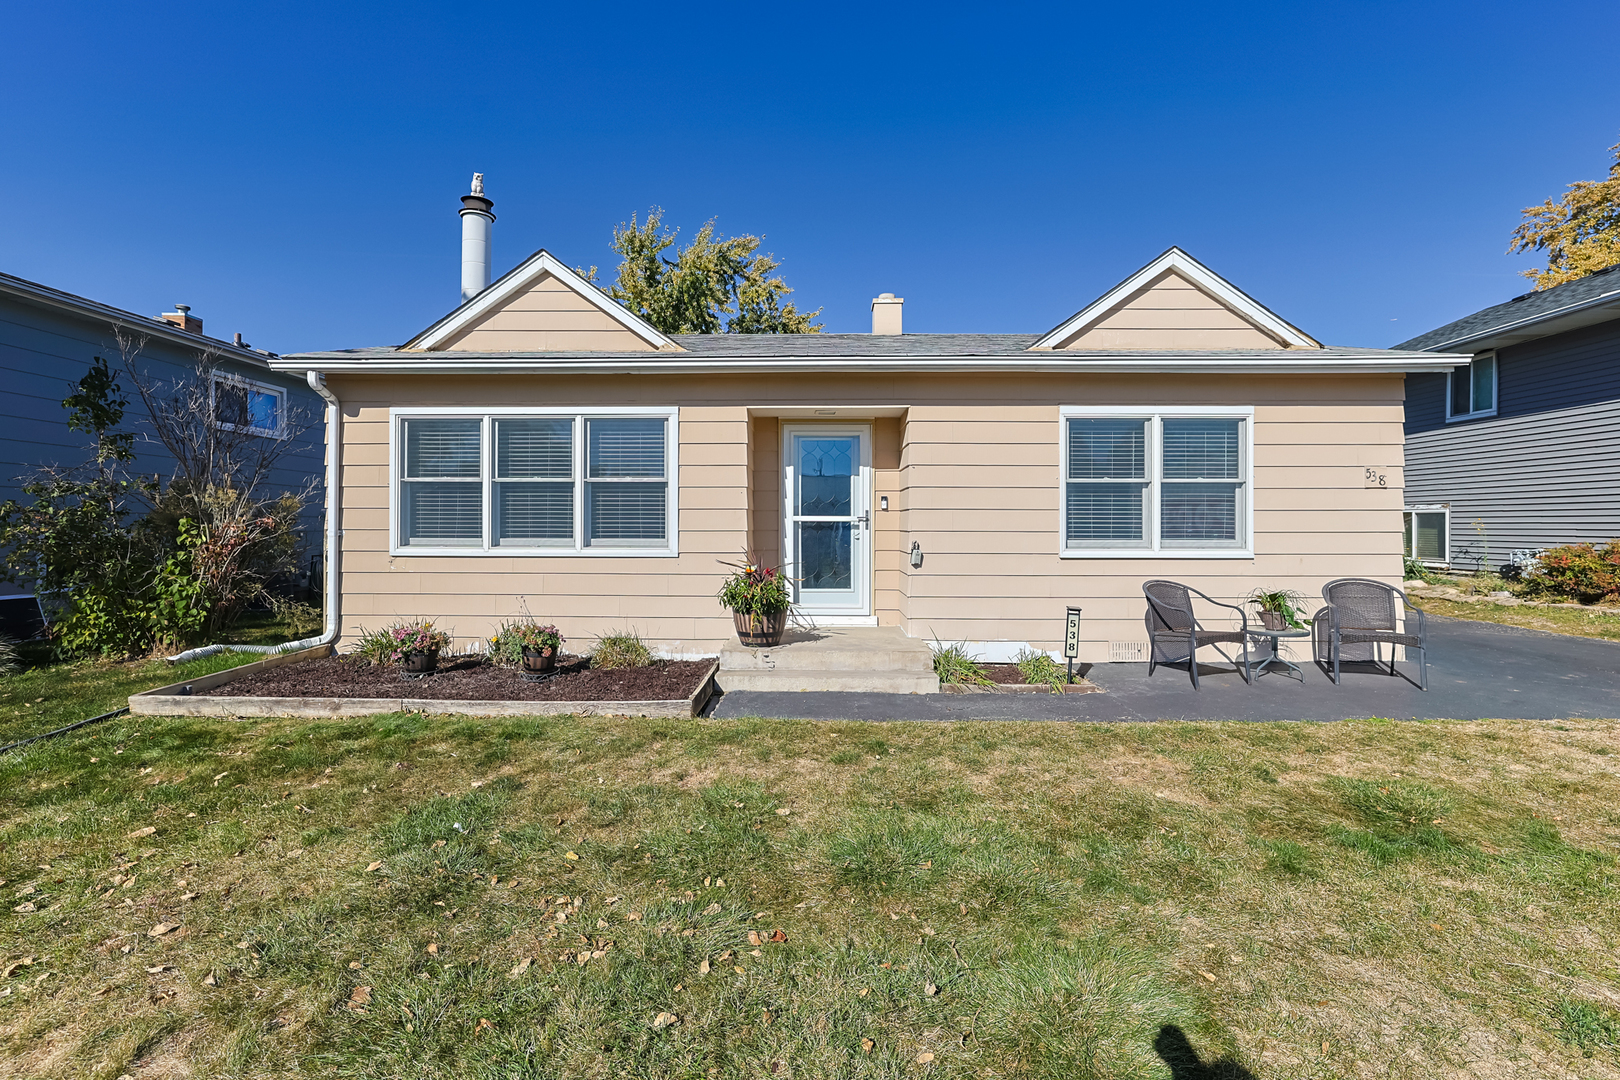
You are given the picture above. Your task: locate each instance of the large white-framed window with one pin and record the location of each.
(239, 404)
(1157, 482)
(1471, 390)
(534, 481)
(1427, 534)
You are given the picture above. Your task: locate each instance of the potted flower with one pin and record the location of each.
(540, 645)
(1279, 608)
(415, 646)
(757, 597)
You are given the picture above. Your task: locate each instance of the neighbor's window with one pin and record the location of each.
(243, 405)
(509, 482)
(1155, 483)
(1471, 390)
(1425, 537)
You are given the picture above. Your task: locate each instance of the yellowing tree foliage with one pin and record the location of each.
(714, 284)
(1580, 232)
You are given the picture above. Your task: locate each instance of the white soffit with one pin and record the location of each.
(519, 280)
(1200, 276)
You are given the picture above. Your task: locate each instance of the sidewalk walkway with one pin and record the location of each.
(1476, 671)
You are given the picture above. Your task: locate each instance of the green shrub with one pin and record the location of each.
(954, 666)
(391, 644)
(1416, 571)
(1581, 571)
(1037, 667)
(620, 649)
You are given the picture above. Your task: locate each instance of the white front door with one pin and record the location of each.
(827, 527)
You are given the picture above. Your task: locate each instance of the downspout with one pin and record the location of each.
(329, 565)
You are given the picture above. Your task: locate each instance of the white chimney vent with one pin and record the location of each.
(476, 219)
(886, 313)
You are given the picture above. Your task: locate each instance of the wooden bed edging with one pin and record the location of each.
(181, 699)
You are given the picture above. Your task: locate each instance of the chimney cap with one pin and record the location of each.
(182, 308)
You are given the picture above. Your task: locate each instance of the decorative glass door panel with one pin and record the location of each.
(828, 534)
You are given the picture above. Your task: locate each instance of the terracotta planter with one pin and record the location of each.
(540, 661)
(1273, 620)
(760, 631)
(420, 663)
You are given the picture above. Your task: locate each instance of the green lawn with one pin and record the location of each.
(419, 896)
(1594, 622)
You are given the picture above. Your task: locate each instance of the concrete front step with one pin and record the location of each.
(861, 682)
(871, 659)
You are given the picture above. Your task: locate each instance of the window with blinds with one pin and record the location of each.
(552, 482)
(1155, 482)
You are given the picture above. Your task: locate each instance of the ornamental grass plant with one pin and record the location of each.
(392, 644)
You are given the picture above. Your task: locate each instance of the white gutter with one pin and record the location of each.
(685, 364)
(1600, 301)
(329, 563)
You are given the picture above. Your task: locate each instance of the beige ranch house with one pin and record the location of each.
(542, 449)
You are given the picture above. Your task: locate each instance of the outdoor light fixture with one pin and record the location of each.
(916, 555)
(883, 502)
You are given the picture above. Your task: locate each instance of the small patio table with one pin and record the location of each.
(1269, 639)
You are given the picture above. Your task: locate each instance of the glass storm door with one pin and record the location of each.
(827, 539)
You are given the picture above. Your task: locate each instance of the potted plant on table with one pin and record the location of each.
(1279, 608)
(757, 597)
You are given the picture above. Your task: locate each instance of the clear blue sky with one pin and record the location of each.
(292, 171)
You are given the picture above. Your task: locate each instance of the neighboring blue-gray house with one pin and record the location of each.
(1521, 449)
(48, 340)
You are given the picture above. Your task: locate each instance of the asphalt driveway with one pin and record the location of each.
(1476, 671)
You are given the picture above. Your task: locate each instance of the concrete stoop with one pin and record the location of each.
(860, 659)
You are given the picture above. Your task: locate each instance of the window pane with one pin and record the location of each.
(826, 555)
(436, 448)
(442, 514)
(1406, 535)
(626, 448)
(1429, 540)
(231, 404)
(1201, 449)
(534, 448)
(1206, 513)
(264, 410)
(534, 513)
(1484, 383)
(1099, 512)
(1107, 449)
(826, 470)
(621, 513)
(1461, 392)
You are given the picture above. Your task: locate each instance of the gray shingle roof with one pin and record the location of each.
(1519, 311)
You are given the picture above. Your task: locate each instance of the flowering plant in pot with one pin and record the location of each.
(414, 646)
(1279, 608)
(757, 597)
(538, 644)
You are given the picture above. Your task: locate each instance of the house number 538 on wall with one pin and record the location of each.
(1375, 479)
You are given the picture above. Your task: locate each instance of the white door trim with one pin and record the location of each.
(858, 612)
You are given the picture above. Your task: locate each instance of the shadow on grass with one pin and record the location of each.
(1176, 1051)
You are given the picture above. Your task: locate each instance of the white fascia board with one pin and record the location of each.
(515, 281)
(1051, 362)
(1200, 275)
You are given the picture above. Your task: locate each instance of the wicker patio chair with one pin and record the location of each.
(1174, 632)
(1365, 613)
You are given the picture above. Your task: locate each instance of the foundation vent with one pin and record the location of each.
(1127, 652)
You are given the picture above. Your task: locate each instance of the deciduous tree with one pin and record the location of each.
(1580, 231)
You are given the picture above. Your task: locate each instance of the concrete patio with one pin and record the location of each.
(1476, 671)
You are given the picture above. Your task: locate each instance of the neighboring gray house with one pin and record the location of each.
(48, 339)
(1521, 449)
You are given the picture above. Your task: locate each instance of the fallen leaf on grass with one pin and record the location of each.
(925, 1057)
(738, 969)
(753, 937)
(188, 896)
(931, 990)
(374, 867)
(360, 998)
(522, 966)
(162, 928)
(867, 1046)
(24, 908)
(784, 812)
(354, 965)
(712, 909)
(209, 980)
(664, 1020)
(138, 833)
(1207, 975)
(703, 968)
(14, 965)
(433, 948)
(778, 935)
(484, 1025)
(571, 856)
(159, 968)
(864, 991)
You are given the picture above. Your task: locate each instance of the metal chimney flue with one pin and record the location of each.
(476, 218)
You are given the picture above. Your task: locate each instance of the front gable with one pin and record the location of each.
(1175, 303)
(541, 306)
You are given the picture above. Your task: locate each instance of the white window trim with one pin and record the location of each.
(396, 469)
(231, 379)
(1429, 508)
(1496, 391)
(1154, 414)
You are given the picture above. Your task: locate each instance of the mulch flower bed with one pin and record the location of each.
(471, 679)
(1004, 674)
